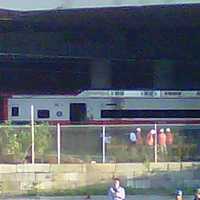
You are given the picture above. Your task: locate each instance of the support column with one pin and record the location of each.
(100, 74)
(163, 74)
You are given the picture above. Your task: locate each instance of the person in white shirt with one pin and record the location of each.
(116, 192)
(132, 137)
(179, 195)
(197, 194)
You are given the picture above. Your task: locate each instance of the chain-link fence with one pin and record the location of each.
(96, 143)
(153, 143)
(14, 143)
(81, 144)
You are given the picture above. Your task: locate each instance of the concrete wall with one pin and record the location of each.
(164, 75)
(100, 72)
(25, 178)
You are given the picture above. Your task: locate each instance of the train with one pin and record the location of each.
(104, 107)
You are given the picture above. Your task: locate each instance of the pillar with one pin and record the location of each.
(100, 74)
(164, 74)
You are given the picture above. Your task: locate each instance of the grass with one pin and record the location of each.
(102, 189)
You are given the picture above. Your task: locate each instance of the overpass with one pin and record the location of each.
(104, 39)
(152, 32)
(118, 3)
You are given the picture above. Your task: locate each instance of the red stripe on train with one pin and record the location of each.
(131, 122)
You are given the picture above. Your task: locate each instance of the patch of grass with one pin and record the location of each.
(102, 189)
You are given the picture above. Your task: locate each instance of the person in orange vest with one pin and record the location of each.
(150, 137)
(169, 137)
(162, 141)
(139, 136)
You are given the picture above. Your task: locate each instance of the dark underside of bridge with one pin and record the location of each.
(53, 51)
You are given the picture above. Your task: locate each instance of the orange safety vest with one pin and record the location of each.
(162, 139)
(139, 138)
(150, 139)
(169, 138)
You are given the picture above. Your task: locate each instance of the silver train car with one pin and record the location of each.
(105, 107)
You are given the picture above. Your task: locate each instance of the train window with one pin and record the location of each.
(15, 111)
(43, 113)
(150, 113)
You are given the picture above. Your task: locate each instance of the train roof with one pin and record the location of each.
(117, 94)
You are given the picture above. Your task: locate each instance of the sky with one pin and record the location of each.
(30, 4)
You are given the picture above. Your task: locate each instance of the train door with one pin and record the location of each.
(78, 112)
(1, 109)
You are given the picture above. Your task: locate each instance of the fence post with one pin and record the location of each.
(156, 145)
(104, 144)
(58, 142)
(32, 134)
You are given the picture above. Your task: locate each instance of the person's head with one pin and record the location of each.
(161, 130)
(179, 195)
(138, 129)
(197, 193)
(152, 131)
(116, 182)
(168, 130)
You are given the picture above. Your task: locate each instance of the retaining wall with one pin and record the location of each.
(24, 178)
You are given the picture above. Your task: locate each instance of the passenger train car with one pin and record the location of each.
(105, 106)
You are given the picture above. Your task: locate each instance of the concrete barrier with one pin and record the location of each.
(25, 178)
